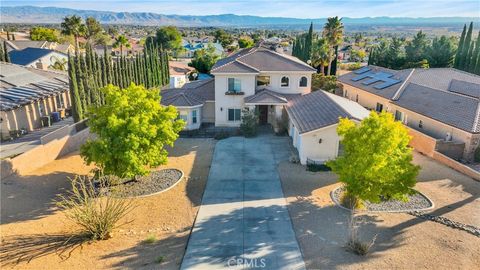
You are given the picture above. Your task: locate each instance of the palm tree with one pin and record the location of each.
(58, 63)
(333, 33)
(121, 41)
(73, 26)
(321, 54)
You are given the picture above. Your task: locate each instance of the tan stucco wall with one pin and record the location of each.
(431, 127)
(208, 112)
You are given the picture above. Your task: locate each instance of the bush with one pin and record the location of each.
(327, 83)
(282, 123)
(350, 66)
(96, 215)
(476, 158)
(351, 202)
(249, 123)
(354, 244)
(311, 167)
(221, 135)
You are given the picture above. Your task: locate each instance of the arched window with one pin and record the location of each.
(303, 82)
(284, 82)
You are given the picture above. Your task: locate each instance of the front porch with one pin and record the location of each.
(269, 106)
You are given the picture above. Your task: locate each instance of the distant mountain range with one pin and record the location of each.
(34, 14)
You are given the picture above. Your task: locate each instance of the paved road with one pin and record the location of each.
(243, 222)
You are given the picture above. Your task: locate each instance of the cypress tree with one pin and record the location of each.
(77, 110)
(6, 57)
(460, 47)
(166, 68)
(308, 43)
(466, 48)
(81, 87)
(475, 54)
(2, 54)
(468, 59)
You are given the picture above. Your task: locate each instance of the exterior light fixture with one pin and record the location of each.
(320, 141)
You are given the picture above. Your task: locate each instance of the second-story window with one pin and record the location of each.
(234, 85)
(285, 82)
(303, 82)
(263, 80)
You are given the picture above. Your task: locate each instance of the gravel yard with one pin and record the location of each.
(415, 202)
(403, 241)
(34, 231)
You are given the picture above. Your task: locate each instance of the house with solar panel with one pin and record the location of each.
(28, 96)
(443, 103)
(278, 88)
(39, 58)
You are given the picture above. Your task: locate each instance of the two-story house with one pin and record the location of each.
(257, 78)
(276, 86)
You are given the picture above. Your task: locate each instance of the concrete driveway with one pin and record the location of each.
(243, 222)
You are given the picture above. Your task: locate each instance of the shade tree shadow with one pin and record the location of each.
(24, 248)
(31, 197)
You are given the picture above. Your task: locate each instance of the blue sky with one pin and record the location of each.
(279, 8)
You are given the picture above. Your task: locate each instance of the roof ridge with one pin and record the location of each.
(245, 64)
(334, 101)
(402, 87)
(476, 121)
(444, 91)
(229, 62)
(292, 58)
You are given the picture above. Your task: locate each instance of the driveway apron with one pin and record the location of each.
(243, 222)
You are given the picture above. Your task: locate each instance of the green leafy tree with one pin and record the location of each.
(204, 59)
(245, 42)
(169, 38)
(132, 131)
(74, 26)
(92, 28)
(43, 33)
(415, 49)
(377, 161)
(324, 82)
(223, 37)
(441, 52)
(357, 55)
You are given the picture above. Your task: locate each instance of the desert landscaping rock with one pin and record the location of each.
(153, 183)
(415, 202)
(448, 222)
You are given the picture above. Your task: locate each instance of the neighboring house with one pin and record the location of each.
(38, 58)
(179, 73)
(442, 103)
(278, 88)
(27, 94)
(18, 45)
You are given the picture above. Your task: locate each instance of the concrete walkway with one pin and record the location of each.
(243, 222)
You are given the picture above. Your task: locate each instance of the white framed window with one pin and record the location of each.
(234, 85)
(285, 81)
(234, 115)
(183, 116)
(303, 82)
(194, 116)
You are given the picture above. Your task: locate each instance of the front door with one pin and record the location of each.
(263, 114)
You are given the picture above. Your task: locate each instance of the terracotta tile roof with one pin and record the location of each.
(259, 59)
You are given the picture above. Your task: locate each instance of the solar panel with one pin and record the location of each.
(362, 70)
(384, 77)
(386, 84)
(363, 76)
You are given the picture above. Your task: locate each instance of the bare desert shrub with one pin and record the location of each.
(98, 215)
(354, 243)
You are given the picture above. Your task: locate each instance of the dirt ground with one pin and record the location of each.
(34, 232)
(403, 241)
